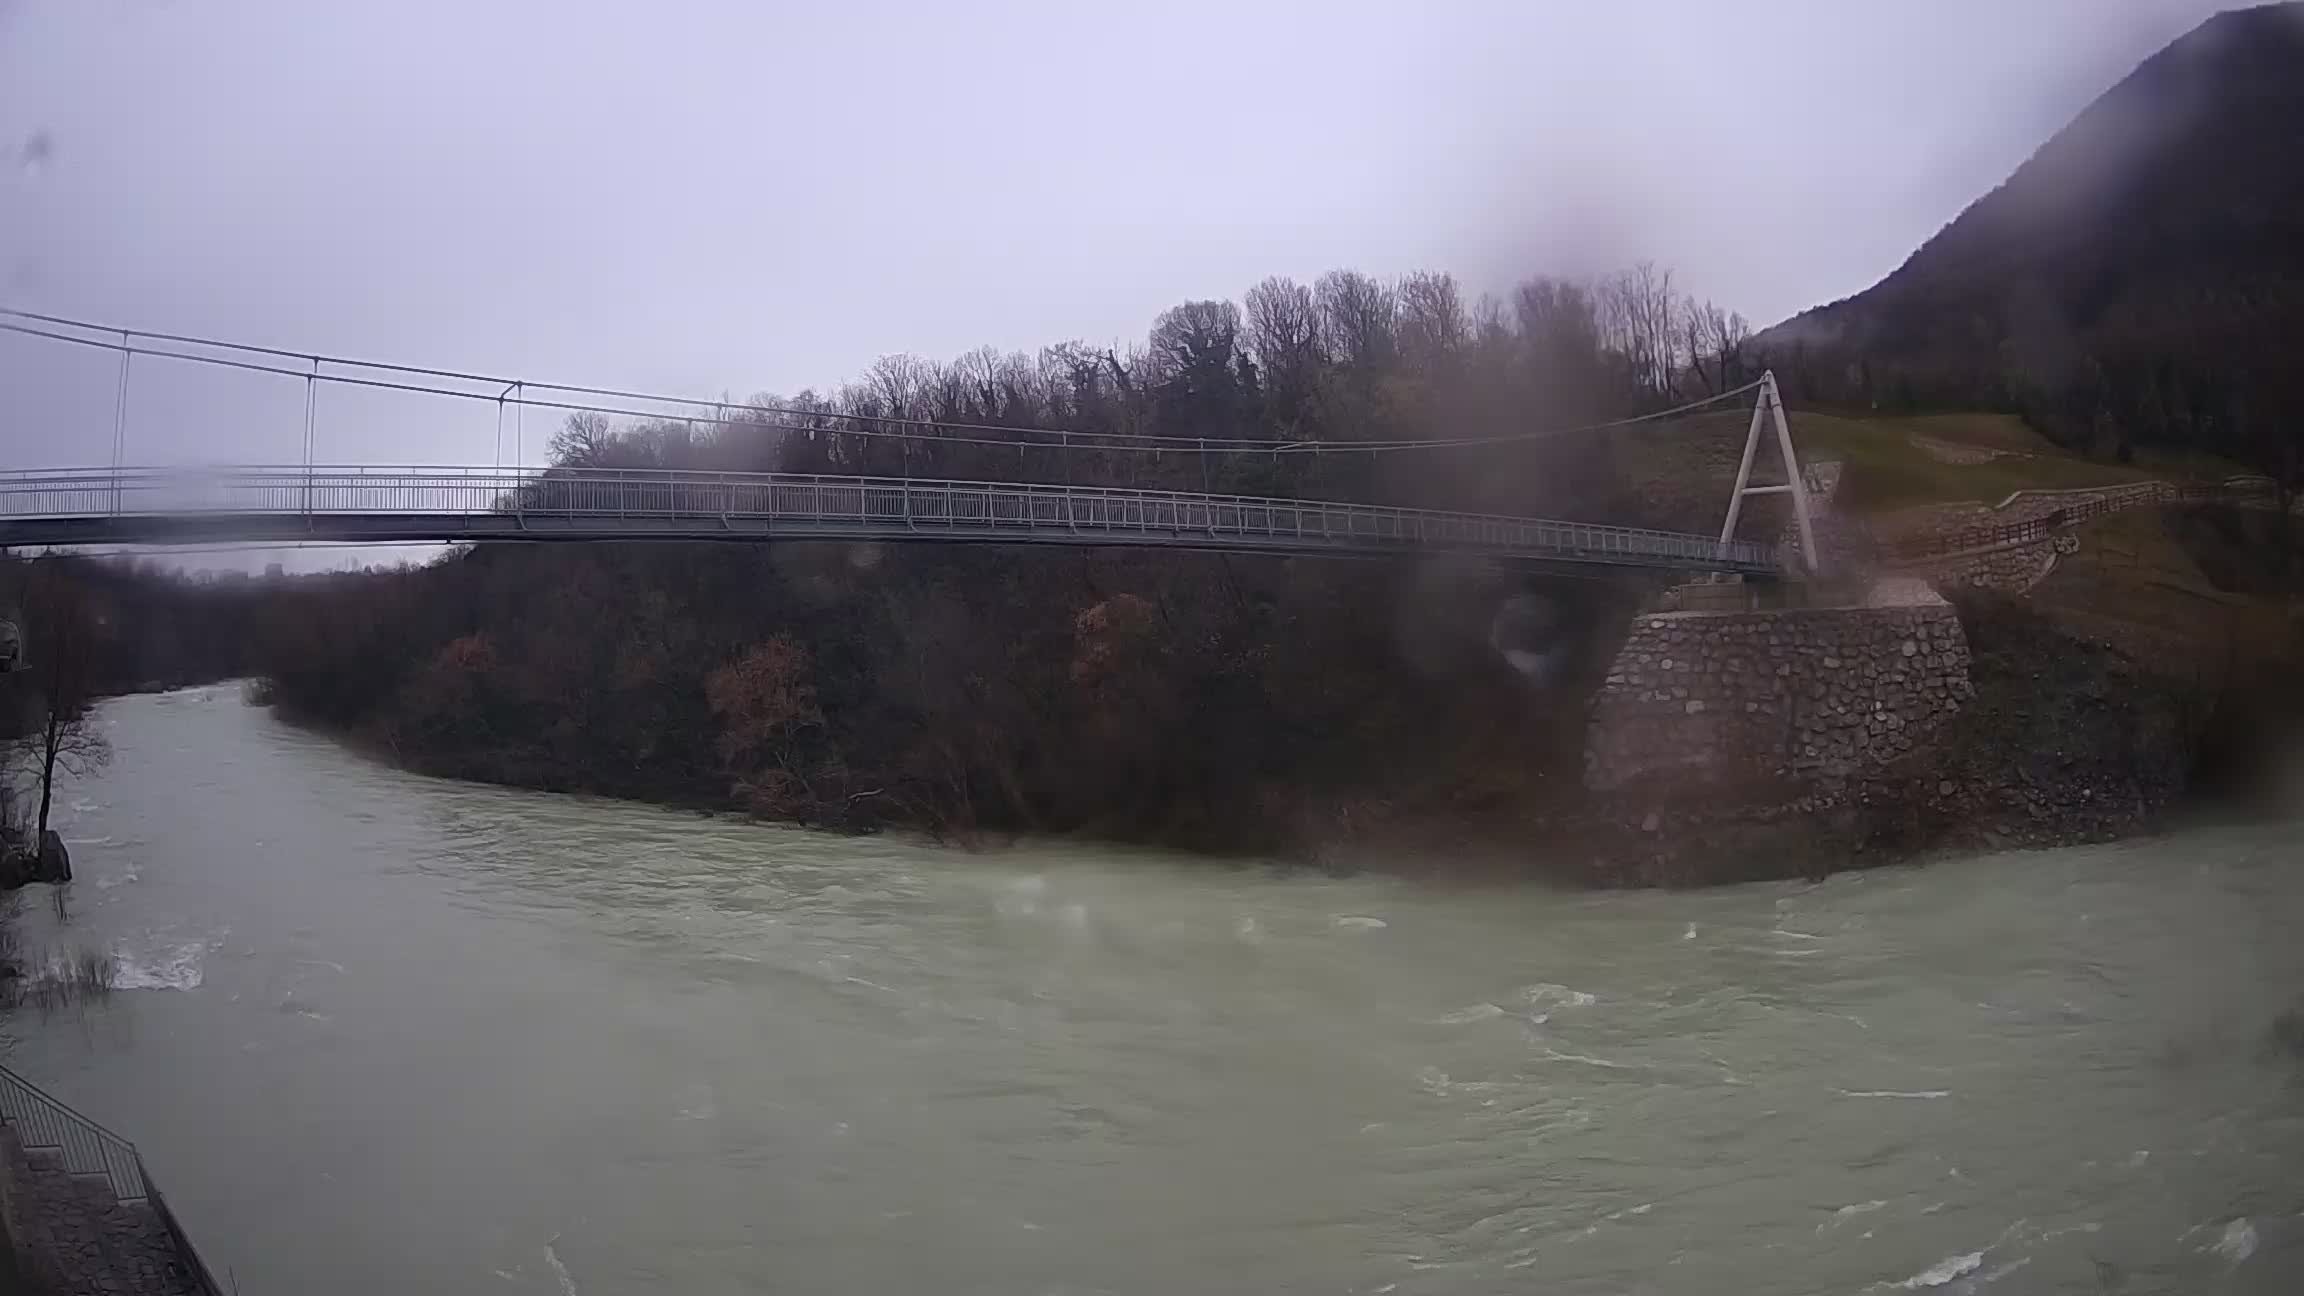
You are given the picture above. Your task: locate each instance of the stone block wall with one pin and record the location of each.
(1935, 521)
(2013, 567)
(1723, 696)
(2010, 569)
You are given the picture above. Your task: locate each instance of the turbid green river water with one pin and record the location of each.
(381, 1033)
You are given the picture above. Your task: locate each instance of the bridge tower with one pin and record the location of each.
(1770, 409)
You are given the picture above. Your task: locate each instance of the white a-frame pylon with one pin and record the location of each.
(1771, 408)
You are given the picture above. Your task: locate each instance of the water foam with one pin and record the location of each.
(559, 1270)
(1846, 1213)
(2238, 1242)
(1945, 1270)
(1544, 992)
(174, 968)
(1588, 1060)
(1998, 1272)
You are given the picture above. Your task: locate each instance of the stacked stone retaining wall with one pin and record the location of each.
(2010, 569)
(1724, 696)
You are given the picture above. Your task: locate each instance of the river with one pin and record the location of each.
(380, 1033)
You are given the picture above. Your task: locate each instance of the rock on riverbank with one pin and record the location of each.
(20, 866)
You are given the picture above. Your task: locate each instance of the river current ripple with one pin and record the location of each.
(385, 1033)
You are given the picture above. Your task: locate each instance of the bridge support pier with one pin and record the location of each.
(1722, 697)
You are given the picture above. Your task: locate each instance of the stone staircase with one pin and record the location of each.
(79, 1213)
(71, 1235)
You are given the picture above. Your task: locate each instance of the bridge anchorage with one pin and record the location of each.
(124, 504)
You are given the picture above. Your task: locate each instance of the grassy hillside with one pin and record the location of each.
(1682, 470)
(1893, 463)
(2137, 582)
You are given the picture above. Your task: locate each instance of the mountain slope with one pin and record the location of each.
(2139, 280)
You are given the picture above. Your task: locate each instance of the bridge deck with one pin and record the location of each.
(385, 505)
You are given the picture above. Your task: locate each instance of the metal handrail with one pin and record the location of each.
(2040, 527)
(45, 1124)
(716, 501)
(85, 1147)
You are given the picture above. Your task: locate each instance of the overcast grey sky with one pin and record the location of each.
(737, 197)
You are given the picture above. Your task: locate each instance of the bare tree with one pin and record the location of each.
(1077, 371)
(898, 387)
(1284, 338)
(1730, 340)
(1283, 325)
(1716, 340)
(1639, 317)
(62, 630)
(1560, 329)
(584, 440)
(1197, 341)
(1491, 320)
(1434, 326)
(1024, 390)
(1203, 383)
(1357, 318)
(970, 388)
(1558, 315)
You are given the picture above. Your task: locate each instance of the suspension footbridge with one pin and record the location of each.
(404, 505)
(288, 504)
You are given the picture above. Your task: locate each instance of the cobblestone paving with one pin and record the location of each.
(74, 1236)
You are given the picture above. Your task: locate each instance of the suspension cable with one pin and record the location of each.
(1066, 439)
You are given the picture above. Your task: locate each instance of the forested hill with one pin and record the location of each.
(2140, 280)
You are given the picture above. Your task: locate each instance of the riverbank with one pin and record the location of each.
(2059, 742)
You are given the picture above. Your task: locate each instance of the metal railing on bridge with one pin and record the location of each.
(158, 505)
